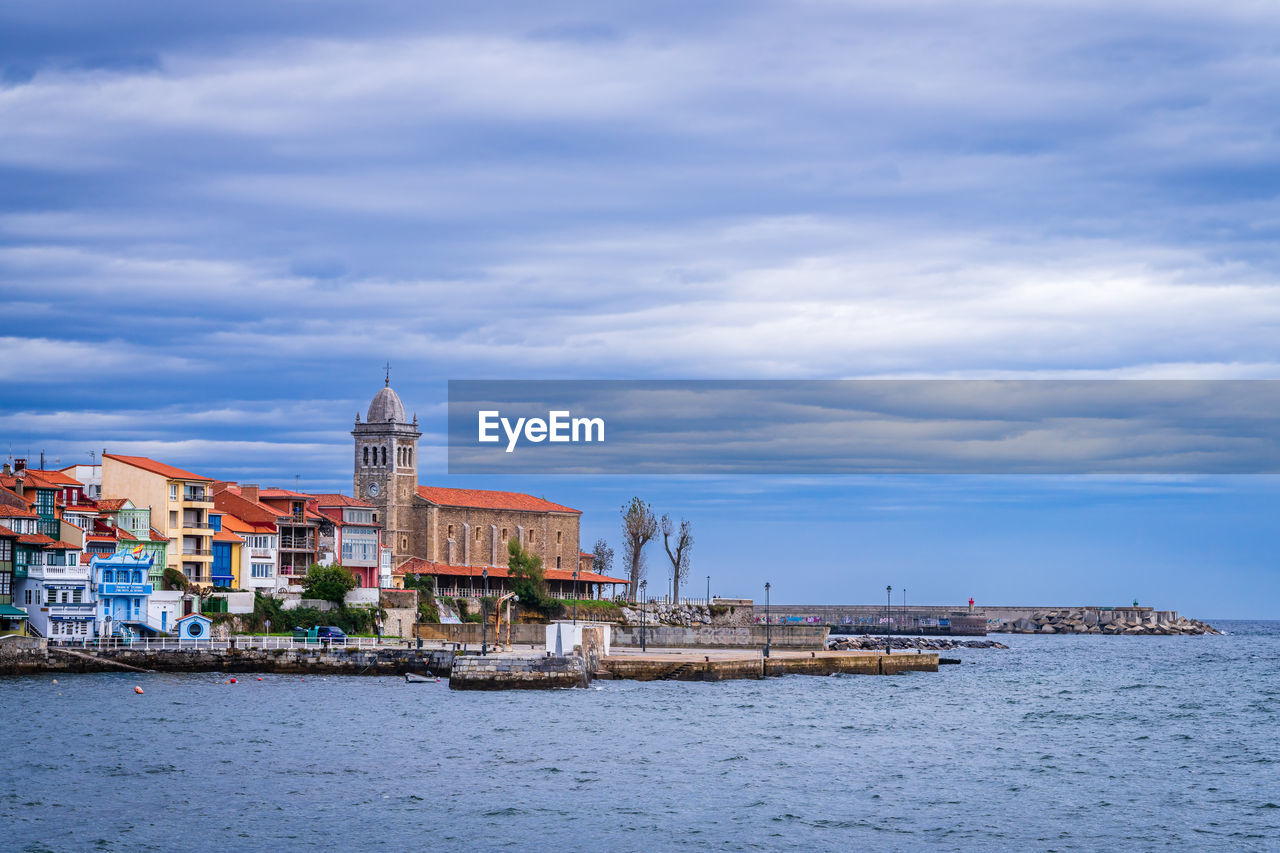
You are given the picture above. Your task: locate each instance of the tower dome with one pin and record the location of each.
(386, 407)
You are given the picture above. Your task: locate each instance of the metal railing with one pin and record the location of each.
(242, 641)
(193, 497)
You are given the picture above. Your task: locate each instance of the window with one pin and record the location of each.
(6, 584)
(6, 550)
(75, 595)
(477, 534)
(530, 535)
(366, 456)
(384, 456)
(173, 491)
(261, 570)
(173, 519)
(28, 601)
(450, 531)
(557, 562)
(557, 537)
(504, 534)
(108, 576)
(404, 543)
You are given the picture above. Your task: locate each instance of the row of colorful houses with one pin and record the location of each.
(83, 550)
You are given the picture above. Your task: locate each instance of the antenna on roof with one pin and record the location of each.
(388, 383)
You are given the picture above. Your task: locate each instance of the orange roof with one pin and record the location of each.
(4, 531)
(157, 536)
(277, 492)
(239, 525)
(484, 499)
(36, 539)
(58, 477)
(81, 508)
(66, 546)
(225, 535)
(16, 512)
(339, 500)
(112, 504)
(417, 566)
(167, 471)
(34, 479)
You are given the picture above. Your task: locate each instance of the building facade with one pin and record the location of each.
(123, 587)
(179, 502)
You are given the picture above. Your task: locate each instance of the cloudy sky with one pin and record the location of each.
(219, 221)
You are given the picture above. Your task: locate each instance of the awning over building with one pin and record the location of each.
(8, 611)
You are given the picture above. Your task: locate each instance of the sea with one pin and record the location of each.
(1059, 743)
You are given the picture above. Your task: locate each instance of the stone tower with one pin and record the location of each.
(385, 471)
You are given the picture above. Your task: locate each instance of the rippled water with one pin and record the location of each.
(1060, 743)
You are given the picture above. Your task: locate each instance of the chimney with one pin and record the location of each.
(20, 484)
(20, 464)
(8, 469)
(249, 491)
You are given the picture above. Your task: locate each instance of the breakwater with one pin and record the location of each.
(798, 637)
(1127, 621)
(935, 644)
(27, 656)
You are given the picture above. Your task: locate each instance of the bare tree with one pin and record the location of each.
(679, 557)
(638, 528)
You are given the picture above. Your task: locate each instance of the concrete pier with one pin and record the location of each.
(722, 665)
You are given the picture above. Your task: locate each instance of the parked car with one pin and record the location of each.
(325, 634)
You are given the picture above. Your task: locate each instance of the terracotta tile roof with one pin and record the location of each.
(34, 479)
(340, 500)
(36, 539)
(417, 566)
(225, 535)
(157, 536)
(238, 525)
(112, 504)
(16, 512)
(83, 509)
(65, 546)
(57, 477)
(167, 471)
(6, 532)
(484, 499)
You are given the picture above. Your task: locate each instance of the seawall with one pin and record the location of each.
(28, 656)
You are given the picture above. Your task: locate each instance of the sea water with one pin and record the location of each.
(1060, 743)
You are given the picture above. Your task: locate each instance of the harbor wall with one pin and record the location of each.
(518, 672)
(30, 656)
(801, 637)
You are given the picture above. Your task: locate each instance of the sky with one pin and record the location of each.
(219, 221)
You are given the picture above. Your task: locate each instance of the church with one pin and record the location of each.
(456, 534)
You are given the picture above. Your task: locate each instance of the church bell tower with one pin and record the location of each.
(385, 472)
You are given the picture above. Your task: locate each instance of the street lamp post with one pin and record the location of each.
(888, 628)
(484, 615)
(643, 617)
(768, 622)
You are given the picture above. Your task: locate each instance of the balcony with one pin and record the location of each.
(196, 552)
(297, 544)
(200, 498)
(261, 554)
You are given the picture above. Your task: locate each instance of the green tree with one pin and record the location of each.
(330, 583)
(527, 580)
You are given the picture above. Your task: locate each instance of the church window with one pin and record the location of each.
(477, 534)
(404, 543)
(504, 534)
(409, 451)
(557, 537)
(530, 535)
(557, 562)
(450, 531)
(384, 457)
(366, 456)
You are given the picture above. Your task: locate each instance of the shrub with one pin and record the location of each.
(330, 583)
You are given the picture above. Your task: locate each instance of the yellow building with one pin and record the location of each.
(180, 503)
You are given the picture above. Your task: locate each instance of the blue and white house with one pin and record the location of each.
(194, 626)
(123, 587)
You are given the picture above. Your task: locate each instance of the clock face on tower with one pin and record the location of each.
(373, 490)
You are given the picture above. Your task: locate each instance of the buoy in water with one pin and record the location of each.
(55, 681)
(233, 681)
(137, 689)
